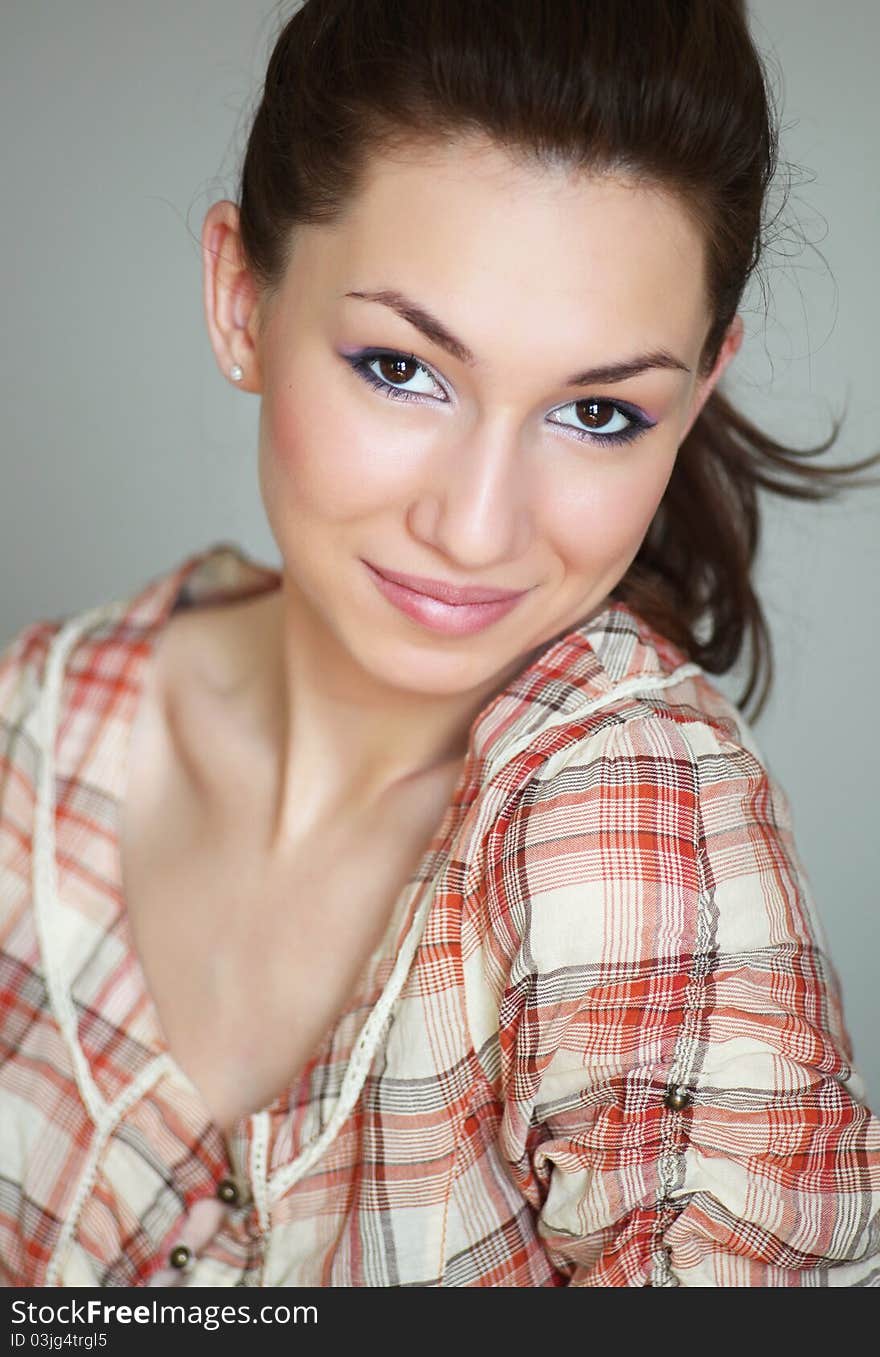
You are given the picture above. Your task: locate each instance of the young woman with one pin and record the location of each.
(419, 913)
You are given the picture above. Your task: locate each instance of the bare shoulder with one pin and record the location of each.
(212, 653)
(215, 643)
(199, 658)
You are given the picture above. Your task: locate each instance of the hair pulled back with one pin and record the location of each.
(672, 93)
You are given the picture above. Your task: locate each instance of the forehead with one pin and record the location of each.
(467, 220)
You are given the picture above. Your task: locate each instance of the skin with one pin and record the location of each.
(337, 701)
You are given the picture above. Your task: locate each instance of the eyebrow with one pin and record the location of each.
(438, 333)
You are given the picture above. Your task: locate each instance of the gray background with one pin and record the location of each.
(125, 449)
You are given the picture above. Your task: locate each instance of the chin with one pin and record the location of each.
(431, 672)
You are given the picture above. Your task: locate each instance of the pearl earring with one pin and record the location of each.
(236, 372)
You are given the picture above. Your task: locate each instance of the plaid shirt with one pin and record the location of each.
(601, 1043)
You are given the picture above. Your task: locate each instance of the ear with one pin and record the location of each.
(230, 295)
(730, 346)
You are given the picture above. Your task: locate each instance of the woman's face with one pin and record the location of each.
(493, 459)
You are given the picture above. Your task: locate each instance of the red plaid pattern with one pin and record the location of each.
(601, 1043)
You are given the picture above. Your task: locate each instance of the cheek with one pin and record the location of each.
(318, 460)
(604, 518)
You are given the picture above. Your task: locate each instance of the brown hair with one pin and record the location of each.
(673, 93)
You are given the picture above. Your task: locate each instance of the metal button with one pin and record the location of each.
(678, 1097)
(180, 1256)
(228, 1191)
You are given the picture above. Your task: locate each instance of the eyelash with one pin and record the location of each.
(359, 362)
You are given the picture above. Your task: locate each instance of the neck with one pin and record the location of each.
(313, 736)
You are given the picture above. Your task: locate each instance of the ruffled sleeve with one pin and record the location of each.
(679, 1101)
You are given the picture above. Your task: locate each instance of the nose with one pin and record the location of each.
(475, 507)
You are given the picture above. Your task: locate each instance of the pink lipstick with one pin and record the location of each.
(451, 609)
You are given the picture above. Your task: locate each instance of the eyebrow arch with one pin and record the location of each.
(437, 332)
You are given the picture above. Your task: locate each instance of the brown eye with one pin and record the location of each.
(603, 421)
(391, 373)
(594, 414)
(397, 368)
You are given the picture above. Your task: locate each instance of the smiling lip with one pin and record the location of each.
(449, 618)
(455, 596)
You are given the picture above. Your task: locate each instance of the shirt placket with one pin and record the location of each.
(227, 1229)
